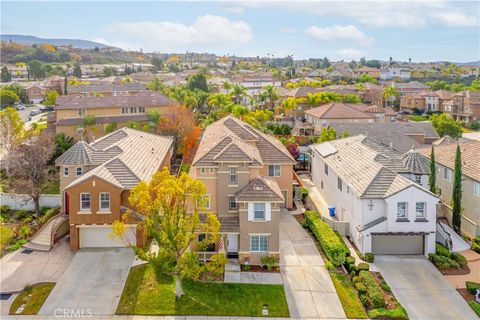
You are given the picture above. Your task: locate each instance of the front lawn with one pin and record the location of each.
(348, 296)
(149, 293)
(33, 297)
(418, 118)
(6, 234)
(52, 187)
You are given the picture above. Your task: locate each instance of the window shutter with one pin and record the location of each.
(268, 211)
(250, 211)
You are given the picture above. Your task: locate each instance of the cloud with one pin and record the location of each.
(118, 44)
(206, 31)
(348, 33)
(350, 54)
(288, 30)
(456, 19)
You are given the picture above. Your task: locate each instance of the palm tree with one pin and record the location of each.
(272, 95)
(219, 99)
(88, 123)
(290, 104)
(390, 93)
(227, 86)
(312, 100)
(238, 92)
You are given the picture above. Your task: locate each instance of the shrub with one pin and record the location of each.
(475, 306)
(476, 244)
(331, 243)
(269, 261)
(360, 287)
(374, 292)
(369, 257)
(25, 231)
(472, 286)
(475, 125)
(17, 245)
(246, 267)
(385, 286)
(356, 279)
(352, 274)
(363, 266)
(216, 266)
(442, 251)
(458, 258)
(442, 262)
(4, 209)
(364, 300)
(350, 260)
(304, 193)
(329, 265)
(185, 168)
(22, 214)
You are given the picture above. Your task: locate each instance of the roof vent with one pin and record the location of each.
(257, 188)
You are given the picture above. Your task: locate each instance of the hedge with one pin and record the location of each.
(442, 262)
(331, 243)
(460, 259)
(374, 291)
(442, 251)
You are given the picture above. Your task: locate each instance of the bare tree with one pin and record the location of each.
(29, 167)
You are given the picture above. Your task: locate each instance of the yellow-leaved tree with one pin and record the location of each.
(170, 207)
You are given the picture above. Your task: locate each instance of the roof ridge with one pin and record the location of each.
(232, 143)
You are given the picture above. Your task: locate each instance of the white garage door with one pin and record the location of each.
(394, 244)
(98, 237)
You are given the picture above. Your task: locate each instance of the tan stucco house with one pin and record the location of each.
(248, 175)
(96, 179)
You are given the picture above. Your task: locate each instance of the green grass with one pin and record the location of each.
(33, 297)
(382, 313)
(6, 234)
(348, 297)
(475, 306)
(149, 293)
(417, 118)
(52, 187)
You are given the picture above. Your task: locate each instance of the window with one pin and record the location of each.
(133, 109)
(141, 109)
(418, 179)
(124, 109)
(402, 210)
(259, 243)
(206, 201)
(233, 176)
(203, 171)
(65, 171)
(420, 210)
(232, 204)
(259, 211)
(447, 174)
(210, 247)
(85, 201)
(326, 169)
(339, 184)
(79, 171)
(476, 188)
(104, 201)
(274, 170)
(211, 170)
(81, 112)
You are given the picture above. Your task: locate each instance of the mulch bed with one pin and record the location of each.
(389, 297)
(255, 268)
(466, 294)
(299, 217)
(455, 272)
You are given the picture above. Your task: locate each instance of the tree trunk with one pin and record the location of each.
(36, 202)
(178, 287)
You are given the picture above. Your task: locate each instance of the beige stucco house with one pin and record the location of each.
(248, 175)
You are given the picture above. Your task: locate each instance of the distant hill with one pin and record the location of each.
(29, 40)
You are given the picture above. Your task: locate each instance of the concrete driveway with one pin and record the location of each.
(422, 289)
(308, 286)
(17, 269)
(92, 283)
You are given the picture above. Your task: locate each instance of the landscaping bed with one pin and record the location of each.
(469, 295)
(148, 292)
(257, 268)
(449, 263)
(33, 297)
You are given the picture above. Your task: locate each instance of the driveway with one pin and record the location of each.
(422, 289)
(17, 269)
(308, 286)
(92, 283)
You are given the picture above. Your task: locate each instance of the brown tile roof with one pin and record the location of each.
(232, 140)
(141, 99)
(104, 87)
(260, 189)
(104, 120)
(338, 110)
(445, 155)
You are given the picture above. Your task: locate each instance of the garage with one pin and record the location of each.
(397, 244)
(99, 237)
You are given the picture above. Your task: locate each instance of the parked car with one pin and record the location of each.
(20, 107)
(33, 113)
(50, 108)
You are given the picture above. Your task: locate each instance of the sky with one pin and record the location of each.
(423, 30)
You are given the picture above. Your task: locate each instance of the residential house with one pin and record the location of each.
(374, 72)
(18, 73)
(325, 115)
(387, 213)
(423, 101)
(405, 88)
(256, 84)
(248, 175)
(466, 106)
(105, 89)
(35, 93)
(445, 164)
(96, 180)
(338, 74)
(117, 111)
(401, 136)
(395, 71)
(445, 100)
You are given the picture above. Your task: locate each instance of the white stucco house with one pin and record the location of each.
(369, 184)
(395, 71)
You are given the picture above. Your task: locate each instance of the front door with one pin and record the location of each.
(232, 245)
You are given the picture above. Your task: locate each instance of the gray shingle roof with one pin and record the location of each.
(104, 120)
(416, 163)
(260, 189)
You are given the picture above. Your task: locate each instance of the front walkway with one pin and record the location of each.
(308, 286)
(473, 259)
(234, 275)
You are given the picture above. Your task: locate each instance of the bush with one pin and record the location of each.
(360, 288)
(356, 279)
(304, 193)
(385, 286)
(369, 257)
(475, 125)
(442, 262)
(22, 214)
(25, 231)
(350, 260)
(246, 267)
(363, 266)
(458, 258)
(364, 300)
(475, 306)
(442, 251)
(331, 243)
(185, 168)
(374, 292)
(17, 245)
(269, 261)
(476, 244)
(329, 265)
(4, 209)
(472, 286)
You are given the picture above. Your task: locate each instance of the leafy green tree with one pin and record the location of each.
(457, 192)
(328, 134)
(50, 98)
(77, 71)
(391, 94)
(373, 64)
(432, 179)
(446, 125)
(19, 91)
(164, 203)
(198, 81)
(35, 69)
(11, 132)
(290, 104)
(109, 71)
(367, 78)
(62, 144)
(5, 75)
(8, 97)
(238, 92)
(110, 127)
(351, 98)
(346, 134)
(157, 64)
(272, 95)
